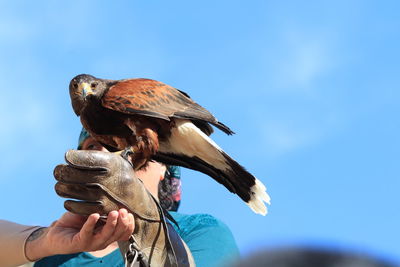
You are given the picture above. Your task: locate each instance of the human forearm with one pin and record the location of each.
(12, 242)
(36, 245)
(71, 233)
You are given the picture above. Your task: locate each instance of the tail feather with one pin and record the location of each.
(250, 189)
(196, 164)
(257, 197)
(191, 148)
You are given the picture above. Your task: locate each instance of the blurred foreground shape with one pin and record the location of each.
(311, 257)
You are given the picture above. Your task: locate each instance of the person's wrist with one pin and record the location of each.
(37, 246)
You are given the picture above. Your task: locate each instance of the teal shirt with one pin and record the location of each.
(210, 241)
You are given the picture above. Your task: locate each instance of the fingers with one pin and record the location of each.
(125, 225)
(106, 233)
(92, 236)
(86, 232)
(119, 226)
(92, 160)
(67, 173)
(91, 198)
(86, 208)
(83, 207)
(88, 192)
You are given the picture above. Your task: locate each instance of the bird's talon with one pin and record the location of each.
(127, 152)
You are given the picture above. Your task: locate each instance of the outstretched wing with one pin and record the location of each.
(155, 99)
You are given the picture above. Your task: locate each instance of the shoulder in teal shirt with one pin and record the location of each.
(210, 241)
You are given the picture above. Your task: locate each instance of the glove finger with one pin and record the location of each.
(90, 159)
(78, 191)
(87, 208)
(70, 174)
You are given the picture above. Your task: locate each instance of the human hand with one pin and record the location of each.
(74, 233)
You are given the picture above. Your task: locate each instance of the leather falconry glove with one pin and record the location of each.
(102, 182)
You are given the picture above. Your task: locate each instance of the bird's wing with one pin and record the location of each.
(156, 99)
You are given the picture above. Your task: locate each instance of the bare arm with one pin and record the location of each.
(72, 233)
(12, 240)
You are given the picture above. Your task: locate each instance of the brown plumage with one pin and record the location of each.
(162, 123)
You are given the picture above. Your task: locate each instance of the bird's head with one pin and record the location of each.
(84, 87)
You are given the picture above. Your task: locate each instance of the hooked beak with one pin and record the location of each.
(86, 89)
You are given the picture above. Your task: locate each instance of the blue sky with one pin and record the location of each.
(311, 89)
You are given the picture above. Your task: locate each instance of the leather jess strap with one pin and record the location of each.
(177, 255)
(181, 254)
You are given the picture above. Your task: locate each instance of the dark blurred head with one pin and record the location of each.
(307, 257)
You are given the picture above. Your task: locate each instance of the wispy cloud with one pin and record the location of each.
(304, 116)
(23, 120)
(71, 27)
(289, 133)
(24, 112)
(282, 137)
(15, 29)
(305, 62)
(301, 58)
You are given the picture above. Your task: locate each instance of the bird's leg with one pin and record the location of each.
(133, 156)
(127, 153)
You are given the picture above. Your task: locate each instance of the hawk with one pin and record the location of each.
(158, 122)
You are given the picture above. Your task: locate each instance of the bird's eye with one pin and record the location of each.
(75, 85)
(93, 85)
